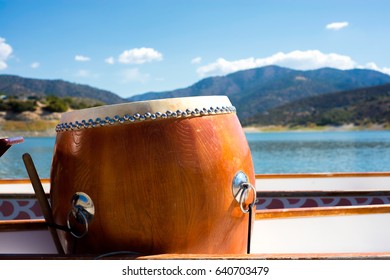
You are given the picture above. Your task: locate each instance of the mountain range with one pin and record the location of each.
(363, 106)
(258, 90)
(258, 94)
(12, 85)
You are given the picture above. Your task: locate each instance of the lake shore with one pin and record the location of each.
(47, 128)
(345, 127)
(28, 128)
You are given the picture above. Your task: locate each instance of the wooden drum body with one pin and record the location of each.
(159, 183)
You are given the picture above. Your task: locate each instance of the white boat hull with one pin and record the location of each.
(275, 231)
(326, 234)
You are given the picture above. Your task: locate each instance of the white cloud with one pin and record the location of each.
(82, 58)
(139, 56)
(35, 65)
(302, 60)
(110, 60)
(134, 75)
(196, 60)
(337, 25)
(373, 66)
(5, 52)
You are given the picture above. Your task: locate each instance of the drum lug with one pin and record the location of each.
(240, 188)
(239, 179)
(83, 211)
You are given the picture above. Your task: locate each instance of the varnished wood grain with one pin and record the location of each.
(322, 211)
(21, 181)
(303, 256)
(22, 225)
(311, 256)
(158, 187)
(293, 194)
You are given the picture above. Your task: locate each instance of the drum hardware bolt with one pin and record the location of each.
(83, 211)
(146, 116)
(110, 121)
(91, 123)
(84, 123)
(241, 188)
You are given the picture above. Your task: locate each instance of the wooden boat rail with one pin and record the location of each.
(22, 225)
(322, 211)
(260, 213)
(266, 256)
(40, 224)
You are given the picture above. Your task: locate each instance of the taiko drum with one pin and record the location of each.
(157, 176)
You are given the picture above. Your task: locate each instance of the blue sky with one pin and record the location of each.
(131, 47)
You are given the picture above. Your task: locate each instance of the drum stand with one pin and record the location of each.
(43, 202)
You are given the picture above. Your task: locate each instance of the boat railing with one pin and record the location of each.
(274, 200)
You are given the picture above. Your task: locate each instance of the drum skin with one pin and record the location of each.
(162, 186)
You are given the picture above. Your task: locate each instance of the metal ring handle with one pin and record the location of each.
(244, 188)
(85, 220)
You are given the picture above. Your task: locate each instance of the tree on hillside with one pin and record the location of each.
(55, 104)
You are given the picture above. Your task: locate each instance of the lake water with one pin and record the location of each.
(279, 152)
(311, 152)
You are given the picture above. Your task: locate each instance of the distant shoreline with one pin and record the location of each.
(35, 129)
(328, 128)
(48, 133)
